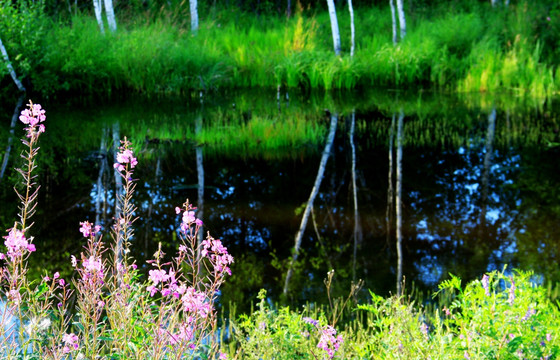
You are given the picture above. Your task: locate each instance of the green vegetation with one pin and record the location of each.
(468, 48)
(502, 316)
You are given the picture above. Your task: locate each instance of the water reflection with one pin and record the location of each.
(479, 188)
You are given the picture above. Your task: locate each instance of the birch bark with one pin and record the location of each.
(402, 20)
(393, 21)
(334, 27)
(10, 67)
(110, 15)
(15, 118)
(193, 4)
(98, 9)
(352, 30)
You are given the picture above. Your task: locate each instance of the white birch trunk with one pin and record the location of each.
(15, 118)
(402, 20)
(393, 21)
(10, 67)
(98, 9)
(398, 203)
(110, 15)
(309, 206)
(334, 27)
(352, 29)
(194, 15)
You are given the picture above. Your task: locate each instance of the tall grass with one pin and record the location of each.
(482, 50)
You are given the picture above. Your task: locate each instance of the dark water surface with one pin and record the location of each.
(480, 182)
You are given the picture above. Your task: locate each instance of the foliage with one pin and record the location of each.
(471, 48)
(23, 24)
(503, 315)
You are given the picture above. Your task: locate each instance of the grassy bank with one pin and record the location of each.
(479, 49)
(499, 316)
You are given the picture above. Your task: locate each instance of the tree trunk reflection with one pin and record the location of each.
(398, 203)
(309, 206)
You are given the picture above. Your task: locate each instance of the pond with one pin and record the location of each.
(479, 176)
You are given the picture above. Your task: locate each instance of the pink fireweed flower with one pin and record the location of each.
(126, 156)
(188, 220)
(218, 255)
(152, 290)
(157, 276)
(87, 228)
(93, 268)
(14, 296)
(188, 217)
(185, 335)
(17, 244)
(71, 342)
(33, 117)
(195, 302)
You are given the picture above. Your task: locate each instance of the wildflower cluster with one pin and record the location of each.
(329, 342)
(33, 117)
(218, 255)
(112, 307)
(126, 156)
(17, 245)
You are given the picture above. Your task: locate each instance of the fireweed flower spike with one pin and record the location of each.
(125, 157)
(33, 117)
(17, 244)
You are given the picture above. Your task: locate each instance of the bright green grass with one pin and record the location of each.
(484, 50)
